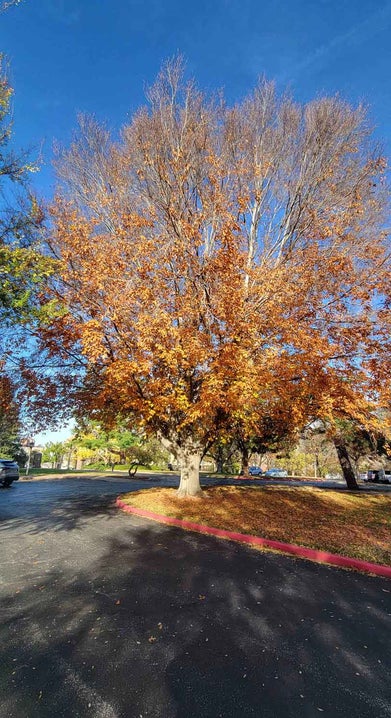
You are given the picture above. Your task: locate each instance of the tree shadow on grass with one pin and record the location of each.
(164, 623)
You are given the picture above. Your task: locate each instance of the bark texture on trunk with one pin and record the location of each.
(188, 454)
(346, 465)
(245, 461)
(189, 460)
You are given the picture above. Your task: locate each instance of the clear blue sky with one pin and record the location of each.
(97, 56)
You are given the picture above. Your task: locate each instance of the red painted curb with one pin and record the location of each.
(301, 551)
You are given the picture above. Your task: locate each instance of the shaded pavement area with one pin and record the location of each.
(109, 616)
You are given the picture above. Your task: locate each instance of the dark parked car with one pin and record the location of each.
(9, 472)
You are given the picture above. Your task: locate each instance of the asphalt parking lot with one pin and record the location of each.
(111, 616)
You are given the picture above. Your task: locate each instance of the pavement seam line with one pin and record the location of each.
(300, 551)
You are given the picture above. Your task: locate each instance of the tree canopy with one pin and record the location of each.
(222, 266)
(10, 429)
(23, 263)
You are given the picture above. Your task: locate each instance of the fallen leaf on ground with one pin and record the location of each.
(308, 516)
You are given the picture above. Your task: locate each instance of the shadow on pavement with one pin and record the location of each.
(60, 505)
(152, 621)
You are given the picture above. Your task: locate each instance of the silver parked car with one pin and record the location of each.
(276, 473)
(9, 472)
(255, 471)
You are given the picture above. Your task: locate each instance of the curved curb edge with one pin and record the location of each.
(300, 551)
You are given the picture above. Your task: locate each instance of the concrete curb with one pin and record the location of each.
(300, 551)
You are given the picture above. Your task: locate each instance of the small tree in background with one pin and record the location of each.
(54, 453)
(95, 444)
(355, 443)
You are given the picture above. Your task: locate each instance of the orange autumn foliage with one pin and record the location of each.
(220, 265)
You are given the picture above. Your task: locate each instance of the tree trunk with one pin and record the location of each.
(245, 459)
(346, 465)
(188, 454)
(189, 460)
(219, 459)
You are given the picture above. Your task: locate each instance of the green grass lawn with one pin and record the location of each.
(87, 470)
(47, 472)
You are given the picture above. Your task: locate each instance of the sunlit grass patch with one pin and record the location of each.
(356, 525)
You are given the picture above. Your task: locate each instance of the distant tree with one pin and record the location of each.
(355, 442)
(117, 445)
(349, 441)
(150, 453)
(54, 452)
(108, 446)
(316, 443)
(222, 452)
(276, 431)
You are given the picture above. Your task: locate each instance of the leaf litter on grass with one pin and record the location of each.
(355, 525)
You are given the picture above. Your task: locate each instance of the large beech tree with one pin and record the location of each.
(220, 265)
